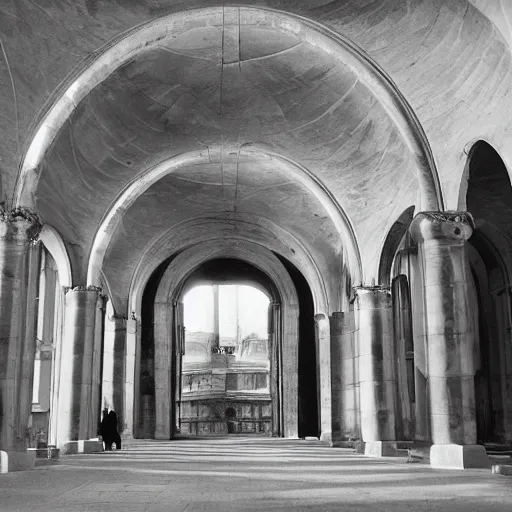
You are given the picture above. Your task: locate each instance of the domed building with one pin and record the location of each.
(351, 160)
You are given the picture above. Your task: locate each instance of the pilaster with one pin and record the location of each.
(323, 339)
(132, 377)
(288, 375)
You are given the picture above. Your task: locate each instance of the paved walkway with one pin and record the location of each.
(247, 474)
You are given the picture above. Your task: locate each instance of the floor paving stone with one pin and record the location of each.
(253, 474)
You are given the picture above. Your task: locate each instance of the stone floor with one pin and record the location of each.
(233, 474)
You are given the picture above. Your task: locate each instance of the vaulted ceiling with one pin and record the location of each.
(274, 115)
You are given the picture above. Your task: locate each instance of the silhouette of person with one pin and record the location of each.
(115, 437)
(104, 431)
(109, 430)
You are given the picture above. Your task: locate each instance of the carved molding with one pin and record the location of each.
(89, 288)
(374, 288)
(117, 318)
(450, 216)
(13, 215)
(450, 227)
(372, 297)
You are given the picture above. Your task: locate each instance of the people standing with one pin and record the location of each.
(109, 430)
(114, 433)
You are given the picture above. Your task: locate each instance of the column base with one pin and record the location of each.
(380, 448)
(326, 437)
(16, 461)
(82, 446)
(128, 434)
(458, 456)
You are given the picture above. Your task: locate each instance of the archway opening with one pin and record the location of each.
(488, 198)
(225, 361)
(309, 371)
(286, 333)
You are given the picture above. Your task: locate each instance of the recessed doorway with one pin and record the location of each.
(281, 373)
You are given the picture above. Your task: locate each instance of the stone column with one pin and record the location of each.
(274, 351)
(57, 365)
(289, 380)
(132, 377)
(113, 379)
(323, 339)
(79, 390)
(441, 238)
(179, 337)
(216, 312)
(164, 370)
(97, 363)
(377, 378)
(18, 284)
(343, 375)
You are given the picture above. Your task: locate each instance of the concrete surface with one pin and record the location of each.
(246, 474)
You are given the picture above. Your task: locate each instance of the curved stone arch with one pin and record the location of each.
(105, 286)
(255, 254)
(113, 217)
(391, 243)
(119, 50)
(52, 240)
(170, 286)
(162, 243)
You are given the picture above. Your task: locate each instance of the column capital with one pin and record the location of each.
(376, 288)
(19, 224)
(96, 289)
(118, 322)
(450, 226)
(411, 249)
(371, 297)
